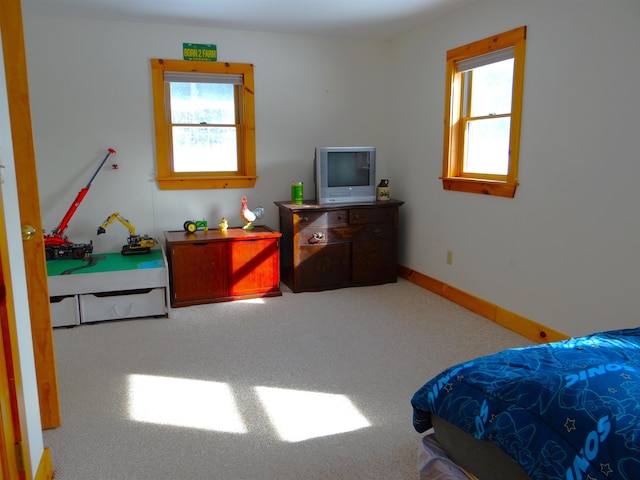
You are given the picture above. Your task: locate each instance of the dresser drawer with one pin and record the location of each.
(348, 233)
(321, 219)
(371, 215)
(326, 266)
(120, 305)
(377, 232)
(324, 235)
(64, 311)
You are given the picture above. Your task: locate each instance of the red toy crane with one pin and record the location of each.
(56, 244)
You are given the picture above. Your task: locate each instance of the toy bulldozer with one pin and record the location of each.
(136, 244)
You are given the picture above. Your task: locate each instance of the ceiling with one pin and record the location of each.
(380, 19)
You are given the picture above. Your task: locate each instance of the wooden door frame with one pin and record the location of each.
(15, 455)
(11, 28)
(12, 411)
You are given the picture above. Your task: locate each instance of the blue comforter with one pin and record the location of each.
(565, 410)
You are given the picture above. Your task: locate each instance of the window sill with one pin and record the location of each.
(483, 187)
(202, 183)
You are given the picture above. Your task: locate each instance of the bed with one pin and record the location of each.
(564, 410)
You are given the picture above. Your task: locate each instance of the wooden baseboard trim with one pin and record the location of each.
(517, 323)
(45, 468)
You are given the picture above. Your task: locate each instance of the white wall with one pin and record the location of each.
(90, 90)
(565, 251)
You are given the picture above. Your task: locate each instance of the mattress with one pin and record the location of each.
(475, 458)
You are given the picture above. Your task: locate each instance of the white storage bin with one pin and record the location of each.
(64, 311)
(120, 305)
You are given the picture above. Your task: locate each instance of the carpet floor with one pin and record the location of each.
(303, 386)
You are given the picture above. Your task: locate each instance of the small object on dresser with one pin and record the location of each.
(297, 193)
(223, 225)
(383, 192)
(190, 226)
(249, 216)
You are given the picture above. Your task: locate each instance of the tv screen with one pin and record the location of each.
(345, 174)
(345, 169)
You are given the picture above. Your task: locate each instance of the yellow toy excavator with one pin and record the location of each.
(136, 244)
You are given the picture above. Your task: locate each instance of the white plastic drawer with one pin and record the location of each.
(120, 305)
(64, 311)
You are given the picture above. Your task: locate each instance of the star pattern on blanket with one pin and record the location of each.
(605, 469)
(570, 424)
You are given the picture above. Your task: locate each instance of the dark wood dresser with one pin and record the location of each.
(339, 245)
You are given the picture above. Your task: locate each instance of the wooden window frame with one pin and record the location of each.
(452, 172)
(166, 177)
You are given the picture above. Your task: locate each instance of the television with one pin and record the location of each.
(345, 174)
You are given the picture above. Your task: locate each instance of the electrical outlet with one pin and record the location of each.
(449, 257)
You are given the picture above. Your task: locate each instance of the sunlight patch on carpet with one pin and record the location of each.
(184, 402)
(259, 301)
(301, 415)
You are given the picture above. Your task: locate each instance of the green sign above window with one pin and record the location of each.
(200, 51)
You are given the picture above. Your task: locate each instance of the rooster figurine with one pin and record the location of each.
(249, 216)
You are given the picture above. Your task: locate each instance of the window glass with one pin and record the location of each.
(196, 103)
(487, 146)
(491, 88)
(486, 138)
(197, 146)
(204, 149)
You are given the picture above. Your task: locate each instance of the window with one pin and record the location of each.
(483, 108)
(204, 124)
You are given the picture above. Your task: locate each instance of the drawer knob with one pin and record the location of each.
(378, 232)
(317, 237)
